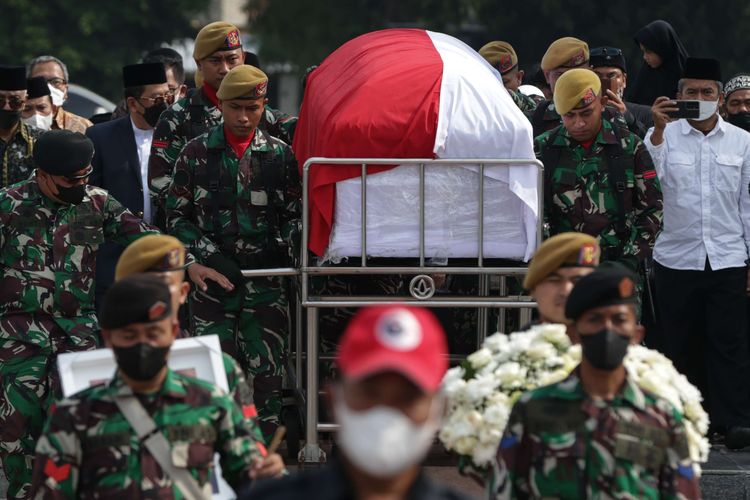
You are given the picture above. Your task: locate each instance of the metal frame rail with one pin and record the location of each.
(312, 453)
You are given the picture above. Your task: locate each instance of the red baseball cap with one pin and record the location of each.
(404, 339)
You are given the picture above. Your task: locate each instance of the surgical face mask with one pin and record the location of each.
(39, 121)
(605, 349)
(382, 441)
(741, 119)
(73, 195)
(141, 361)
(707, 109)
(58, 96)
(8, 119)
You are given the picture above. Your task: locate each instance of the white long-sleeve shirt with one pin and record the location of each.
(705, 180)
(143, 146)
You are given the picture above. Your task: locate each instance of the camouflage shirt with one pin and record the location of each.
(188, 118)
(48, 251)
(243, 205)
(524, 102)
(17, 162)
(560, 443)
(579, 197)
(89, 450)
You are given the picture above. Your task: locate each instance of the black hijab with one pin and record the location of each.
(658, 36)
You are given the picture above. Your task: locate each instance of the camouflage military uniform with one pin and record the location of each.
(188, 118)
(15, 154)
(252, 321)
(579, 196)
(559, 443)
(524, 102)
(47, 261)
(89, 450)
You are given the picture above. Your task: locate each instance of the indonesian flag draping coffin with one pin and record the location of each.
(405, 93)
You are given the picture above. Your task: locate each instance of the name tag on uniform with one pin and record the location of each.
(259, 198)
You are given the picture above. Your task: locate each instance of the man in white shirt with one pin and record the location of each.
(122, 149)
(702, 252)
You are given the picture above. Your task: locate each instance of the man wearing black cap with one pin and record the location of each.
(149, 432)
(16, 138)
(121, 152)
(737, 101)
(609, 64)
(52, 226)
(596, 434)
(701, 254)
(37, 112)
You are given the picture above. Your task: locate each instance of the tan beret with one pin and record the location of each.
(216, 36)
(243, 82)
(500, 55)
(562, 250)
(151, 253)
(565, 52)
(576, 88)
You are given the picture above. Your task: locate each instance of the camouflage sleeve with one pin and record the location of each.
(237, 445)
(58, 456)
(241, 391)
(647, 205)
(121, 226)
(678, 479)
(291, 215)
(166, 146)
(279, 124)
(510, 475)
(180, 208)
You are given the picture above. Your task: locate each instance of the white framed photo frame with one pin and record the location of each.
(198, 357)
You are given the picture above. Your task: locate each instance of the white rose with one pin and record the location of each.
(540, 351)
(556, 335)
(484, 454)
(510, 374)
(496, 342)
(480, 358)
(480, 387)
(465, 445)
(496, 417)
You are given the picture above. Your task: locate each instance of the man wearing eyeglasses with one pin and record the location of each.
(16, 138)
(56, 74)
(51, 227)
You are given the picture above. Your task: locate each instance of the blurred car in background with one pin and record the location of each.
(86, 103)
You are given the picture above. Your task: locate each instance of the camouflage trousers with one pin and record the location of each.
(29, 384)
(252, 325)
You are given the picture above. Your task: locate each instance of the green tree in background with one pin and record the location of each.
(303, 32)
(94, 38)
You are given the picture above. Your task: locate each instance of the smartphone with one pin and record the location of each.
(606, 84)
(686, 109)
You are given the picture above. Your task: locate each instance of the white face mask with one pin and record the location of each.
(39, 121)
(707, 109)
(58, 96)
(382, 441)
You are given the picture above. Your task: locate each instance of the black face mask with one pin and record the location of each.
(73, 195)
(141, 361)
(8, 119)
(152, 114)
(605, 350)
(741, 119)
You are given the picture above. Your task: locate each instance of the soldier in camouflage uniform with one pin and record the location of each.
(503, 58)
(596, 434)
(90, 448)
(50, 228)
(599, 178)
(16, 138)
(235, 203)
(217, 50)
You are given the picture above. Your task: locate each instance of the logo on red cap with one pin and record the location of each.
(399, 330)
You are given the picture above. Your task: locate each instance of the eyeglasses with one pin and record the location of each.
(168, 98)
(14, 102)
(57, 82)
(605, 51)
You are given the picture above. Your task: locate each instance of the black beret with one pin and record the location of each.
(251, 59)
(607, 286)
(699, 68)
(12, 78)
(140, 298)
(37, 87)
(62, 152)
(607, 56)
(136, 75)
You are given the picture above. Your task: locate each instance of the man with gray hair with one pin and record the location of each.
(56, 74)
(701, 255)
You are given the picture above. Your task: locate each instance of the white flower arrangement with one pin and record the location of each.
(482, 391)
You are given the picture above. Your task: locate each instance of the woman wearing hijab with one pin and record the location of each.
(663, 60)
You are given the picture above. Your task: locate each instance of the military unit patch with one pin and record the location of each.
(233, 40)
(588, 97)
(506, 63)
(587, 255)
